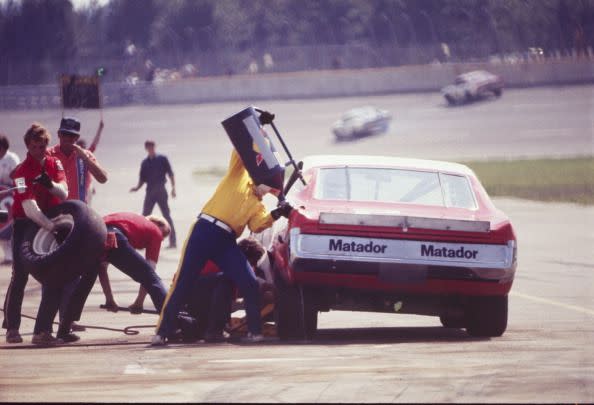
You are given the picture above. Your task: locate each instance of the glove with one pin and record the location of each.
(44, 180)
(266, 117)
(283, 210)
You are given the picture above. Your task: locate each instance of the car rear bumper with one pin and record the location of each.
(407, 284)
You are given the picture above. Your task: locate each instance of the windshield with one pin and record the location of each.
(394, 185)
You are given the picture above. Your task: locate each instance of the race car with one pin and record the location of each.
(397, 235)
(361, 121)
(472, 86)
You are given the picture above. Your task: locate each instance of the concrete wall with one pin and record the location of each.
(313, 84)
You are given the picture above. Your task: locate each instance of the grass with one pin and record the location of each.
(558, 180)
(554, 180)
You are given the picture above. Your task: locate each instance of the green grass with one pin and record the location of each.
(561, 180)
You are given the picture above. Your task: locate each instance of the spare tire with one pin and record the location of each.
(56, 261)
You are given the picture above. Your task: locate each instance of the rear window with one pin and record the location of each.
(394, 185)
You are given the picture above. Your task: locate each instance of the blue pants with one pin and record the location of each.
(158, 195)
(209, 242)
(130, 262)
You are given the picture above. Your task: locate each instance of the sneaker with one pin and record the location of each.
(13, 336)
(158, 340)
(77, 328)
(252, 338)
(68, 337)
(45, 339)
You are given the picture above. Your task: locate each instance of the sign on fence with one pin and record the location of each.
(80, 91)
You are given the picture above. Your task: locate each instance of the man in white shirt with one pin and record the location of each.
(8, 161)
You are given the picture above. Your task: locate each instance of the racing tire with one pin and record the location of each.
(295, 314)
(55, 260)
(497, 92)
(487, 316)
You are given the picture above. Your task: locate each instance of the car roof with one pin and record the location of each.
(385, 161)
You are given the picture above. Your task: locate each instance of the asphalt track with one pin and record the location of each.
(546, 354)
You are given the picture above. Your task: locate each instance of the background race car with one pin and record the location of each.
(472, 86)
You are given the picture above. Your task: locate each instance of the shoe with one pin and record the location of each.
(45, 339)
(252, 338)
(13, 336)
(158, 340)
(68, 337)
(77, 328)
(6, 262)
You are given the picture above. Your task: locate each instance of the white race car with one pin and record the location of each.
(472, 86)
(361, 121)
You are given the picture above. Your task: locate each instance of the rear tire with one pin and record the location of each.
(55, 264)
(295, 314)
(487, 316)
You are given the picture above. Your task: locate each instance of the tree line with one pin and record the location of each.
(39, 39)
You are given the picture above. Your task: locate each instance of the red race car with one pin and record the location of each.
(384, 234)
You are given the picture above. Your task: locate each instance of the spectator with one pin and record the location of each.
(8, 161)
(153, 171)
(45, 182)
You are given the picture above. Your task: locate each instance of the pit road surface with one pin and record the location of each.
(546, 354)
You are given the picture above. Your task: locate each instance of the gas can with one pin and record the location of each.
(255, 148)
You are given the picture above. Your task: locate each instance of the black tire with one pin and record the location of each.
(295, 313)
(497, 92)
(487, 316)
(55, 264)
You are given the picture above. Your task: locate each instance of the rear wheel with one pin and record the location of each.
(487, 316)
(296, 315)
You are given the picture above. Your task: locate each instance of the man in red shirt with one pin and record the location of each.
(127, 232)
(42, 185)
(80, 164)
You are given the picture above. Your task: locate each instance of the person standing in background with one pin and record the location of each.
(8, 161)
(153, 171)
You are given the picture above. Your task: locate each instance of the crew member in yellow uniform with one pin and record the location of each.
(237, 202)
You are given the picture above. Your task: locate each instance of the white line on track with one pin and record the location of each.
(554, 303)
